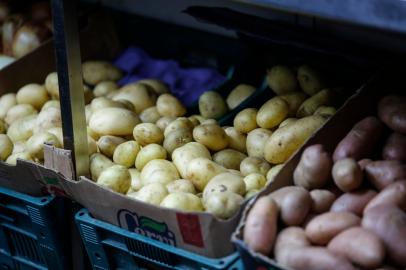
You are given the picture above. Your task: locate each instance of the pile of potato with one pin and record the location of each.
(346, 210)
(141, 143)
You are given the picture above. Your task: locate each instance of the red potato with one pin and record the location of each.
(294, 204)
(364, 162)
(322, 200)
(261, 225)
(288, 238)
(388, 222)
(392, 111)
(360, 246)
(394, 194)
(384, 172)
(313, 170)
(353, 202)
(395, 147)
(361, 139)
(347, 174)
(315, 258)
(322, 228)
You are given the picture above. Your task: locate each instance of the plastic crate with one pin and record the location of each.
(32, 231)
(111, 247)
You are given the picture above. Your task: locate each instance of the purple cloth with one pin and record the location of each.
(185, 83)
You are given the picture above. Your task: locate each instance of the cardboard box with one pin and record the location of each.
(29, 177)
(363, 103)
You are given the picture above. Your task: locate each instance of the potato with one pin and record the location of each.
(176, 139)
(256, 140)
(182, 201)
(395, 147)
(224, 182)
(168, 105)
(359, 143)
(51, 84)
(286, 140)
(261, 226)
(140, 95)
(212, 105)
(281, 80)
(201, 170)
(272, 173)
(150, 115)
(108, 144)
(6, 147)
(250, 193)
(22, 129)
(47, 119)
(158, 86)
(236, 139)
(272, 113)
(353, 202)
(92, 134)
(212, 136)
(126, 153)
(394, 194)
(33, 94)
(223, 204)
(240, 93)
(392, 111)
(181, 185)
(159, 171)
(254, 165)
(194, 120)
(12, 159)
(126, 104)
(254, 181)
(322, 200)
(35, 144)
(179, 123)
(91, 144)
(3, 127)
(388, 223)
(6, 102)
(57, 131)
(322, 228)
(310, 80)
(384, 172)
(113, 121)
(104, 88)
(147, 133)
(136, 183)
(294, 204)
(183, 155)
(153, 194)
(98, 163)
(287, 121)
(164, 121)
(148, 153)
(103, 102)
(209, 122)
(325, 111)
(229, 158)
(116, 178)
(98, 71)
(19, 111)
(347, 174)
(349, 242)
(313, 170)
(246, 120)
(316, 258)
(51, 104)
(289, 238)
(310, 105)
(294, 100)
(19, 147)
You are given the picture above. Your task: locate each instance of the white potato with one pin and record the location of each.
(35, 144)
(254, 181)
(181, 185)
(98, 163)
(116, 178)
(12, 159)
(147, 133)
(19, 111)
(168, 105)
(153, 193)
(126, 153)
(239, 94)
(182, 201)
(223, 204)
(254, 165)
(6, 102)
(158, 86)
(22, 129)
(224, 182)
(98, 71)
(201, 170)
(136, 183)
(140, 95)
(48, 118)
(6, 147)
(108, 144)
(150, 115)
(159, 171)
(183, 155)
(33, 94)
(104, 88)
(148, 153)
(256, 140)
(270, 176)
(113, 121)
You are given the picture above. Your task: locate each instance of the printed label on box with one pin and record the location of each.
(190, 229)
(145, 226)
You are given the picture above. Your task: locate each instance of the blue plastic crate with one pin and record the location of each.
(32, 231)
(111, 247)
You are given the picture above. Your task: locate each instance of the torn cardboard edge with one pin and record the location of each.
(358, 106)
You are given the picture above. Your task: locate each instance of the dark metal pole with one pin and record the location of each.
(69, 69)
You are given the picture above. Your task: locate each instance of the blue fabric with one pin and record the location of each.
(185, 83)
